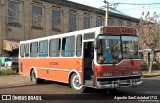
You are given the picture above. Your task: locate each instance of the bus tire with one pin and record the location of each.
(36, 80)
(74, 82)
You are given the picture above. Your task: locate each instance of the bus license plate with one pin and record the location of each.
(123, 81)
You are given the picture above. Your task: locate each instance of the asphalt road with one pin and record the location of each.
(21, 85)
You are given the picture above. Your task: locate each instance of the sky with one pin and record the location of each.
(131, 10)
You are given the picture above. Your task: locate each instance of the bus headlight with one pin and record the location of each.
(107, 74)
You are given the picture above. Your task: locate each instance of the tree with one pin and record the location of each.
(149, 33)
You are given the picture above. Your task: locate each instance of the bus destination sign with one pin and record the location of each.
(119, 30)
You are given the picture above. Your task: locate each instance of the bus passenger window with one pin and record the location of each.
(79, 46)
(27, 50)
(43, 48)
(33, 49)
(22, 50)
(54, 47)
(68, 46)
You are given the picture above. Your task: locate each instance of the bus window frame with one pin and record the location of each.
(42, 54)
(79, 49)
(68, 51)
(58, 51)
(90, 34)
(27, 44)
(34, 47)
(23, 51)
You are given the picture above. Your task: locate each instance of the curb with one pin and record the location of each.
(148, 76)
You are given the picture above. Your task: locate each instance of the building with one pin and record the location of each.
(29, 19)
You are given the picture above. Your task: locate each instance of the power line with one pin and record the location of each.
(136, 3)
(113, 6)
(139, 8)
(115, 10)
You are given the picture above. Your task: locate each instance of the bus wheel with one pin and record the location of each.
(34, 79)
(75, 83)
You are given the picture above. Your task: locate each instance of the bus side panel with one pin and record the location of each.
(24, 67)
(57, 69)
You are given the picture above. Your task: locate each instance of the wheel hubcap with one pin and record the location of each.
(76, 82)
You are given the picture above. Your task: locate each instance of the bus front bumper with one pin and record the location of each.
(118, 83)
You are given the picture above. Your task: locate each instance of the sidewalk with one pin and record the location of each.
(154, 73)
(9, 80)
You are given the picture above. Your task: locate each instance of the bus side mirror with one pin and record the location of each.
(96, 43)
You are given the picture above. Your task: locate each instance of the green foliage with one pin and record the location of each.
(7, 72)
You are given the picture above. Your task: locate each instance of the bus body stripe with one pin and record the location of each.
(55, 69)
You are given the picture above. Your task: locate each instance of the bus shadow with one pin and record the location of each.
(47, 82)
(104, 91)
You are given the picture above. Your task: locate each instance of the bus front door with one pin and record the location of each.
(88, 63)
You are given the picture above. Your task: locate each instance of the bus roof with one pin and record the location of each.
(65, 34)
(85, 31)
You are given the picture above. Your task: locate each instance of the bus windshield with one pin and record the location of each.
(113, 48)
(130, 47)
(109, 49)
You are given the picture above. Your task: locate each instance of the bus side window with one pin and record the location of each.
(79, 46)
(54, 47)
(22, 50)
(27, 50)
(68, 46)
(43, 48)
(34, 49)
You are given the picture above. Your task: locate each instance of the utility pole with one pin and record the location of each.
(107, 9)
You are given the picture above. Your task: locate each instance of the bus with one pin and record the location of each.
(101, 57)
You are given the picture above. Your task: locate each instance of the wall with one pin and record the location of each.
(2, 25)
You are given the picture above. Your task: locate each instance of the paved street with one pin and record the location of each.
(21, 85)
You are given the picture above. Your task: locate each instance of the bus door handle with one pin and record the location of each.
(93, 65)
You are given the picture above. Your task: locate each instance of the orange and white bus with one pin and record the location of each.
(101, 57)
